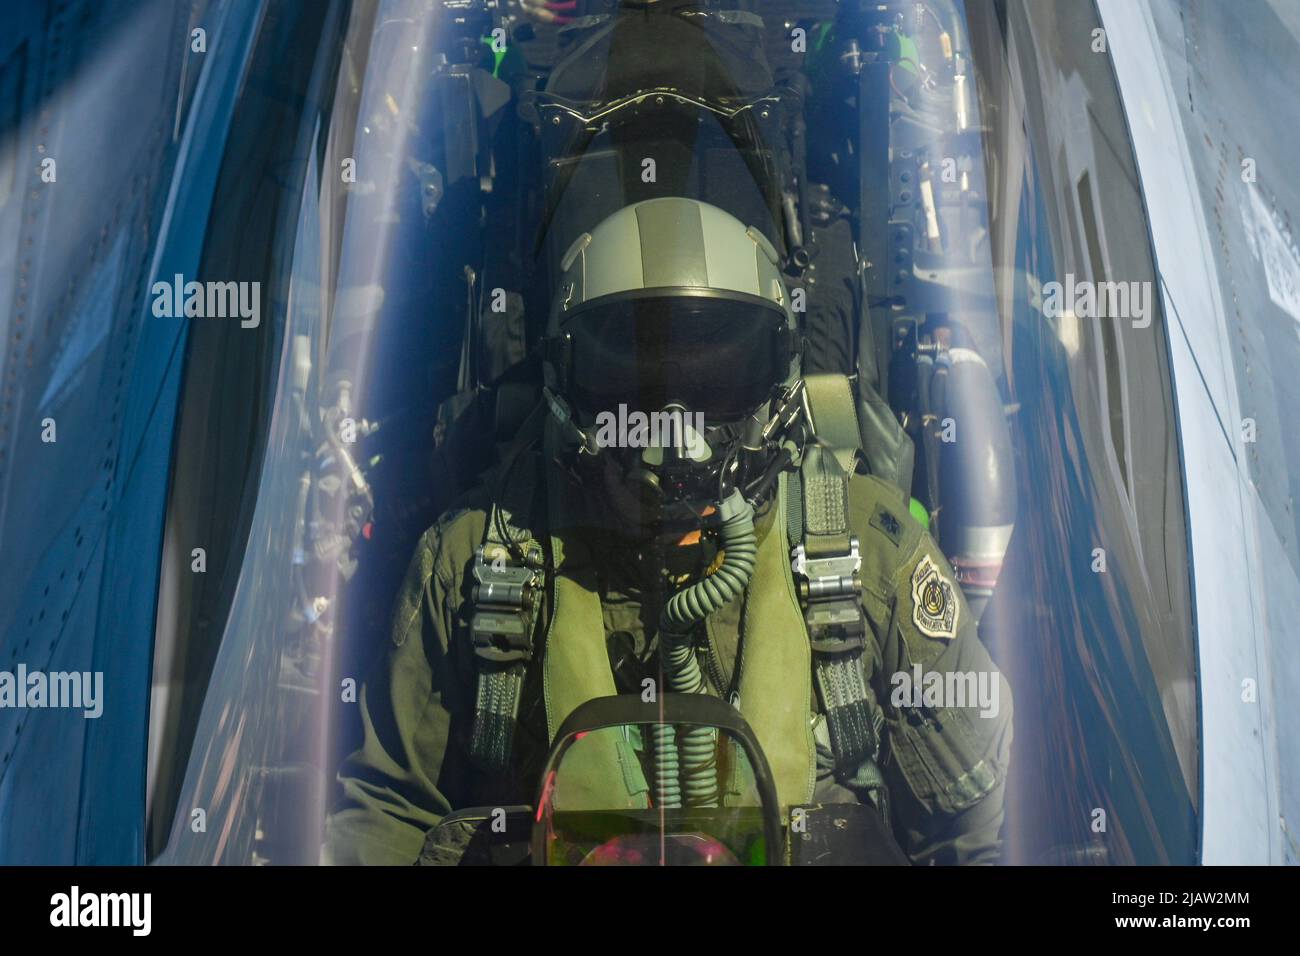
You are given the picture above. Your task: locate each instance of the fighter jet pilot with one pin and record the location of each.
(816, 584)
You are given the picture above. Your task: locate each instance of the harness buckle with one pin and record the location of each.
(500, 626)
(829, 587)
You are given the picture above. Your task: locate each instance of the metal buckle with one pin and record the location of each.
(500, 626)
(830, 587)
(790, 406)
(828, 577)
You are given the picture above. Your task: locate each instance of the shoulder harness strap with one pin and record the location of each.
(508, 573)
(826, 563)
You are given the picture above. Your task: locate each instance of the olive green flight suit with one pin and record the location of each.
(944, 768)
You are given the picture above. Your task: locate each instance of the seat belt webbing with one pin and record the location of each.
(828, 561)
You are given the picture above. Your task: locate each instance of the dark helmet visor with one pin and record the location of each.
(719, 355)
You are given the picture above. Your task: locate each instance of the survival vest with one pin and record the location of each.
(803, 619)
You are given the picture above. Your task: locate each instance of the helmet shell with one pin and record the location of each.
(673, 245)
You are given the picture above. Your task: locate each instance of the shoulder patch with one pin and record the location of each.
(934, 601)
(883, 520)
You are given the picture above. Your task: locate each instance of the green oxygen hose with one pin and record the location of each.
(685, 609)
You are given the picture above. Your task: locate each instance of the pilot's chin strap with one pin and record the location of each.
(826, 562)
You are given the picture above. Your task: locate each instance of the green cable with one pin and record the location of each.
(496, 57)
(823, 32)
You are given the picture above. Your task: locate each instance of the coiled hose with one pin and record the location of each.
(685, 609)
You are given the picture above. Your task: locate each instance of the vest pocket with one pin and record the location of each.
(633, 776)
(947, 761)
